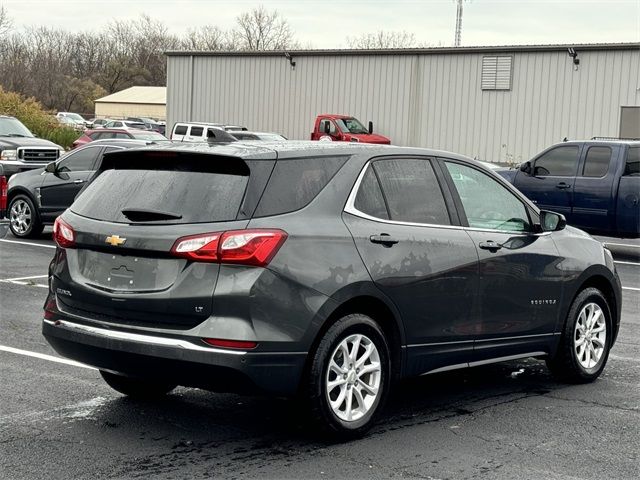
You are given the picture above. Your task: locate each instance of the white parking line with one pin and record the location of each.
(631, 288)
(26, 243)
(626, 263)
(26, 284)
(43, 356)
(25, 278)
(622, 245)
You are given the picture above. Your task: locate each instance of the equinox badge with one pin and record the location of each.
(115, 240)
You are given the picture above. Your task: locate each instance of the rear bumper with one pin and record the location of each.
(176, 360)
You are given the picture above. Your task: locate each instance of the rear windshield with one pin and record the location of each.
(149, 136)
(193, 196)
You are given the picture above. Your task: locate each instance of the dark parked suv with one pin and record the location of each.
(318, 269)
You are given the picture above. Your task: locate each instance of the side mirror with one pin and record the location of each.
(526, 167)
(327, 128)
(50, 168)
(370, 127)
(551, 221)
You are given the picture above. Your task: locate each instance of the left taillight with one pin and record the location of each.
(63, 234)
(254, 247)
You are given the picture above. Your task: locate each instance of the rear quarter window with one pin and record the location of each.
(180, 130)
(632, 165)
(295, 183)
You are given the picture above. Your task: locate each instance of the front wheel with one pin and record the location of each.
(137, 387)
(349, 377)
(586, 340)
(24, 220)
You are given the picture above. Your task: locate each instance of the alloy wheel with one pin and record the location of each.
(20, 217)
(590, 335)
(353, 377)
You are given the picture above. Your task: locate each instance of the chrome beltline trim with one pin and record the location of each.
(138, 338)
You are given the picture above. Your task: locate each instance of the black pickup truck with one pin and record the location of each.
(594, 183)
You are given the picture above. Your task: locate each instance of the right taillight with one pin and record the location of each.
(63, 234)
(254, 247)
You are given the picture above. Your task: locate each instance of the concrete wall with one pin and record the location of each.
(430, 98)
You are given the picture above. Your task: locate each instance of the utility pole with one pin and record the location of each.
(458, 38)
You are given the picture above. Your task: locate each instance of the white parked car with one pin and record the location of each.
(198, 132)
(72, 119)
(125, 125)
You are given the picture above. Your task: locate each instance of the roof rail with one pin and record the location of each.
(613, 138)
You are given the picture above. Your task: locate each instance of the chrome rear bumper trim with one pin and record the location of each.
(137, 337)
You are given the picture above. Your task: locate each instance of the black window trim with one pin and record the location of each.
(449, 203)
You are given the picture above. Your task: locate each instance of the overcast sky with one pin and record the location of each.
(327, 23)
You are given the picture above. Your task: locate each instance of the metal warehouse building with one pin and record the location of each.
(494, 103)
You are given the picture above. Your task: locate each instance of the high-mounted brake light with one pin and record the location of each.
(241, 344)
(63, 234)
(246, 247)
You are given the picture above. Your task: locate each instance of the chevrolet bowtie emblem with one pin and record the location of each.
(115, 240)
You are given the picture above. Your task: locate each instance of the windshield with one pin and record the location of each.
(149, 136)
(74, 116)
(11, 127)
(351, 125)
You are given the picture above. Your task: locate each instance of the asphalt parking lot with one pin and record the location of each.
(502, 421)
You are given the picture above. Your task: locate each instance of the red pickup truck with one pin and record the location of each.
(344, 128)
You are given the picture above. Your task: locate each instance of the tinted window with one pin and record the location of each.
(79, 161)
(196, 131)
(486, 202)
(120, 135)
(117, 124)
(560, 161)
(412, 191)
(596, 164)
(294, 183)
(369, 198)
(632, 167)
(196, 196)
(181, 130)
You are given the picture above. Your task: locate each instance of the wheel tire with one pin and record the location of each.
(322, 413)
(568, 365)
(22, 208)
(137, 387)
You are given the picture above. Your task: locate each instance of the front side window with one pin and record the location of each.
(560, 161)
(181, 130)
(486, 202)
(412, 191)
(351, 125)
(80, 161)
(596, 163)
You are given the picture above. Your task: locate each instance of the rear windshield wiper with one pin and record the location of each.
(145, 215)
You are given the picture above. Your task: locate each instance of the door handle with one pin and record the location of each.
(383, 239)
(562, 186)
(78, 181)
(490, 245)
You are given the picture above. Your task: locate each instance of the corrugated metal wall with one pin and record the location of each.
(429, 100)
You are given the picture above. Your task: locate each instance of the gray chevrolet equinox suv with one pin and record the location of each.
(328, 271)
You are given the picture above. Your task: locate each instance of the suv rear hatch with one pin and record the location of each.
(120, 267)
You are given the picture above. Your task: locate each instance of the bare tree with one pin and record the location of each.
(5, 22)
(209, 38)
(260, 29)
(383, 39)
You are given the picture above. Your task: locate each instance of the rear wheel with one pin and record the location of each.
(585, 343)
(349, 377)
(137, 387)
(24, 220)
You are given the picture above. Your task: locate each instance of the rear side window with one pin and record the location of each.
(294, 183)
(194, 196)
(560, 161)
(632, 166)
(596, 163)
(412, 191)
(196, 131)
(80, 161)
(369, 199)
(180, 130)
